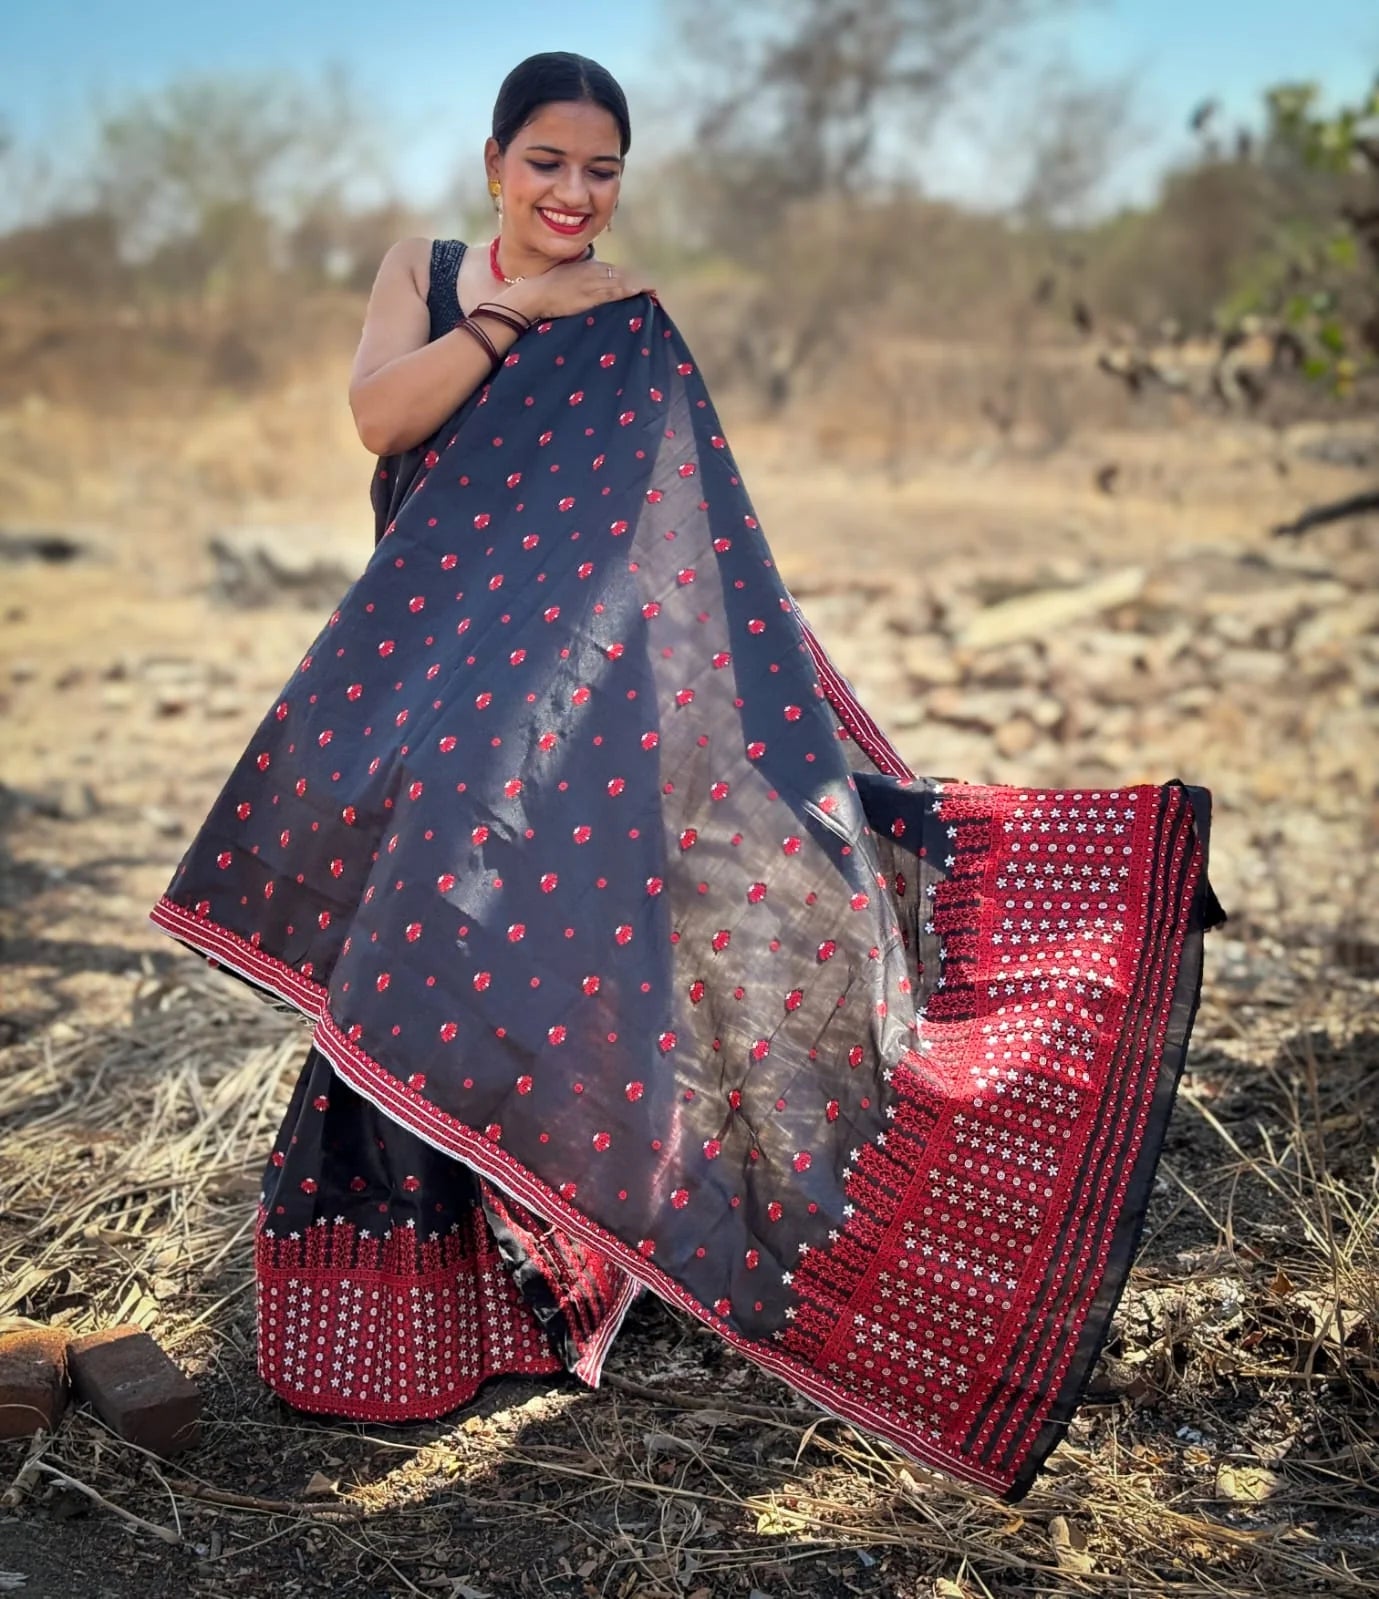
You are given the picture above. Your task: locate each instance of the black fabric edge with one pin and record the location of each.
(531, 1284)
(1205, 912)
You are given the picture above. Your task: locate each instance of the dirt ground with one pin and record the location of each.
(1229, 1445)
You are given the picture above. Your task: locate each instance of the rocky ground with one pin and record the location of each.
(1113, 611)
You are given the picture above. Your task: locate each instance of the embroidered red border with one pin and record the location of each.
(389, 1328)
(999, 1389)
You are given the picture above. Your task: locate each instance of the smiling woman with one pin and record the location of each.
(637, 956)
(554, 163)
(557, 159)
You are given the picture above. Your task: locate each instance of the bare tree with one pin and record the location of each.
(213, 173)
(793, 100)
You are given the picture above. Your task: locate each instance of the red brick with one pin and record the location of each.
(135, 1389)
(33, 1380)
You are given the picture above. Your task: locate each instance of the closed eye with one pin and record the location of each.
(554, 166)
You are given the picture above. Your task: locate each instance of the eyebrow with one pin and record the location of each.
(556, 150)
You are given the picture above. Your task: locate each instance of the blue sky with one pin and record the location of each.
(433, 68)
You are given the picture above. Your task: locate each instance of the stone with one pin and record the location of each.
(1014, 666)
(266, 565)
(170, 701)
(224, 702)
(136, 1389)
(1047, 712)
(1354, 618)
(984, 710)
(33, 1380)
(44, 544)
(928, 660)
(1016, 737)
(116, 696)
(1037, 616)
(1254, 666)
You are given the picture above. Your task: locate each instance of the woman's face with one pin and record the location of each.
(560, 178)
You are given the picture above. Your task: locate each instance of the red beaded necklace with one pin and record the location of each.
(498, 271)
(493, 262)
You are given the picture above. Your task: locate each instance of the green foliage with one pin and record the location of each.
(1321, 279)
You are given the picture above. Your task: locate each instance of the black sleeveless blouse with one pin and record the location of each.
(446, 255)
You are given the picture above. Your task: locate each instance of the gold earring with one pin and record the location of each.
(495, 189)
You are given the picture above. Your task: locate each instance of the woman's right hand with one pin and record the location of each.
(576, 286)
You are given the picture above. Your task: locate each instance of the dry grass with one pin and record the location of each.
(1232, 1447)
(1229, 1448)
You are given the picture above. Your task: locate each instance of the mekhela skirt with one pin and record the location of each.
(637, 957)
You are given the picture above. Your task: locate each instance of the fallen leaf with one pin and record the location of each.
(1070, 1546)
(319, 1484)
(778, 1521)
(1247, 1484)
(665, 1443)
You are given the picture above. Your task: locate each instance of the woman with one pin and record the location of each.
(636, 955)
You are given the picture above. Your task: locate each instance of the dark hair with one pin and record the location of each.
(557, 75)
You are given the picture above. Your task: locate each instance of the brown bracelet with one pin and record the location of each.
(481, 338)
(503, 310)
(504, 314)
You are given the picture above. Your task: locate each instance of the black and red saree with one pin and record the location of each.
(638, 958)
